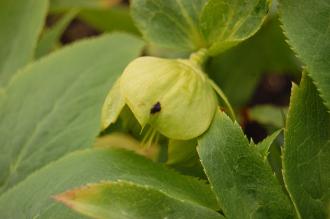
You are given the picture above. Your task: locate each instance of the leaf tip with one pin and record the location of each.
(65, 198)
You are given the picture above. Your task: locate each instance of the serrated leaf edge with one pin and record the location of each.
(296, 53)
(294, 91)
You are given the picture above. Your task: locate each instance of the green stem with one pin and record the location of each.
(224, 98)
(199, 57)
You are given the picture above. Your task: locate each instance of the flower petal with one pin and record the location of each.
(173, 96)
(113, 105)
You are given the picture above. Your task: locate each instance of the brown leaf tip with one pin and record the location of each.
(66, 198)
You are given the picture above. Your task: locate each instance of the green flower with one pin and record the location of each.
(174, 96)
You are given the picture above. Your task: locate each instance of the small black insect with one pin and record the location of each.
(156, 108)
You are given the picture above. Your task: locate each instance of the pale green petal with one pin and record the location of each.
(113, 105)
(186, 99)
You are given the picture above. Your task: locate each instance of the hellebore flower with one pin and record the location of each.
(174, 96)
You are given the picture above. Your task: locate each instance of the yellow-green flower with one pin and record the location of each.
(174, 96)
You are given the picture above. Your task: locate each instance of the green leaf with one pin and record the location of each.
(32, 197)
(56, 5)
(268, 114)
(306, 23)
(53, 106)
(265, 52)
(116, 18)
(170, 53)
(19, 29)
(263, 146)
(170, 23)
(191, 25)
(307, 151)
(115, 200)
(244, 184)
(51, 36)
(225, 23)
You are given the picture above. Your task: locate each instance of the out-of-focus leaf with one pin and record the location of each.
(153, 50)
(243, 182)
(20, 25)
(53, 106)
(306, 152)
(51, 36)
(124, 141)
(238, 70)
(32, 197)
(113, 200)
(268, 114)
(170, 23)
(226, 23)
(56, 5)
(113, 19)
(306, 24)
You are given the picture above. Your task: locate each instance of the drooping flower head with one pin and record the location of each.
(173, 96)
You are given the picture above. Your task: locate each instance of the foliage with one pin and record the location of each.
(17, 44)
(313, 46)
(94, 130)
(62, 90)
(248, 182)
(306, 152)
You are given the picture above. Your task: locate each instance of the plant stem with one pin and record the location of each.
(224, 98)
(199, 57)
